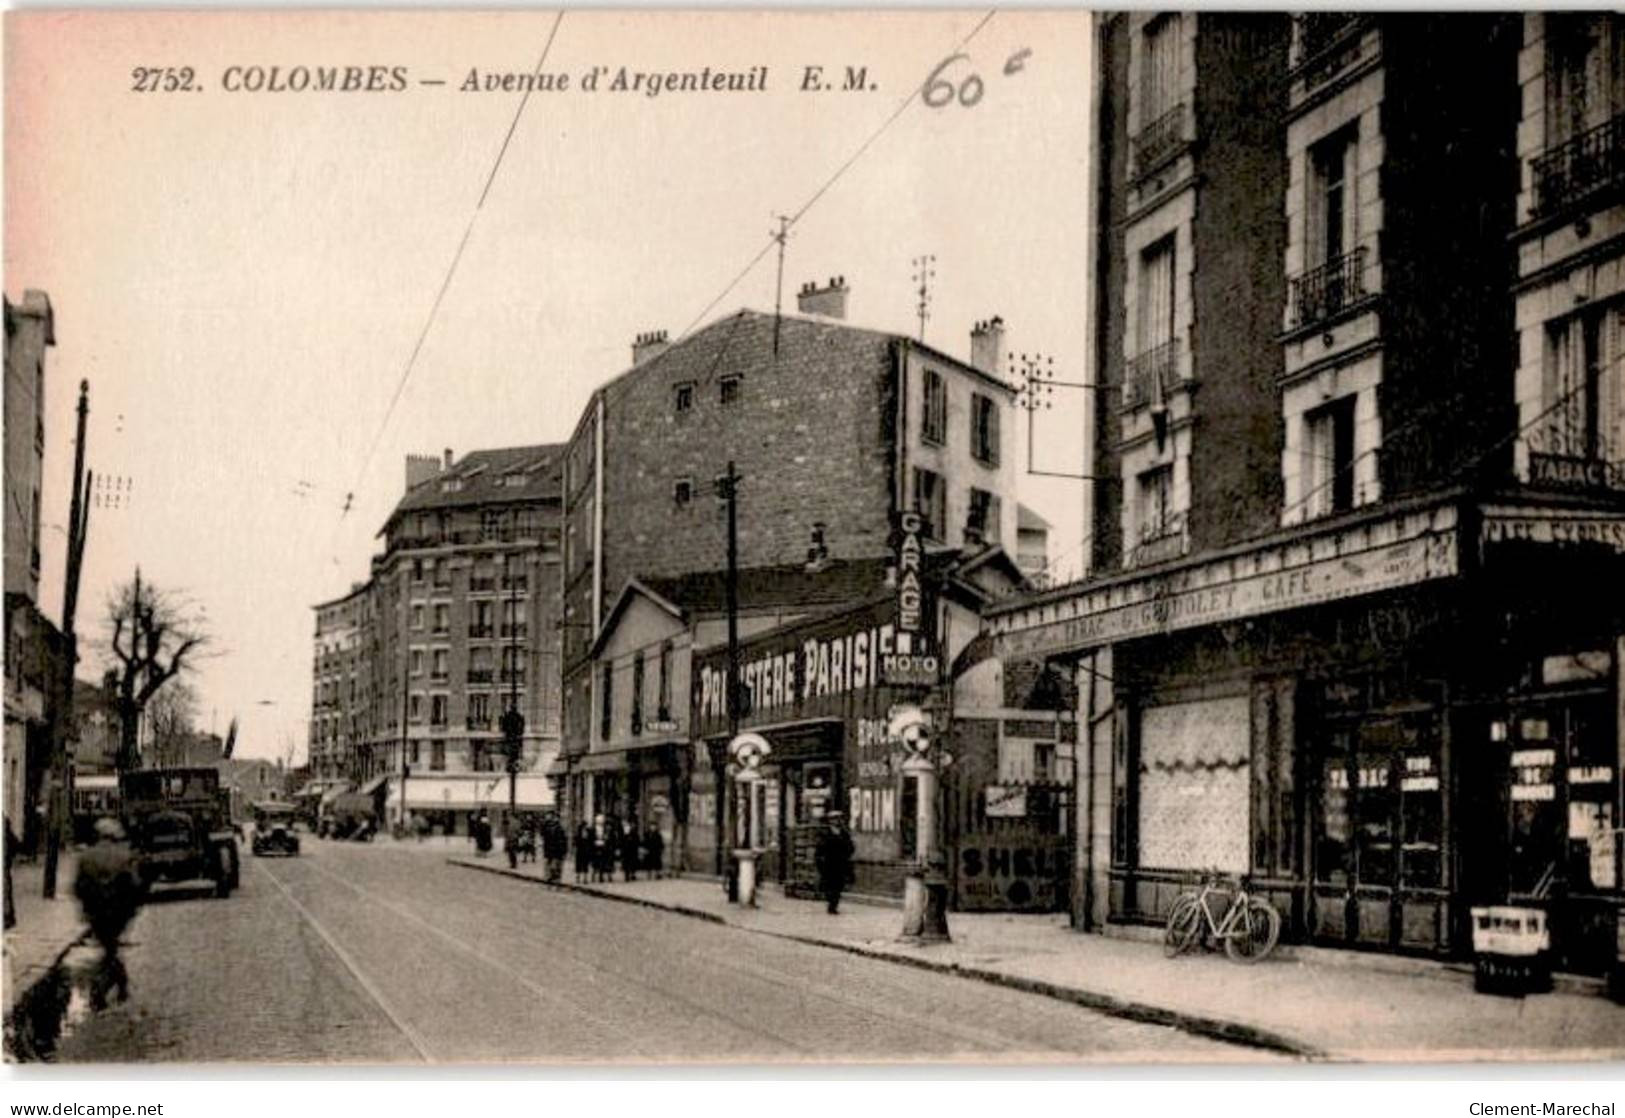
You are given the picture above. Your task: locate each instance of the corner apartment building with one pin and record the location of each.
(1349, 628)
(33, 644)
(341, 701)
(833, 430)
(458, 622)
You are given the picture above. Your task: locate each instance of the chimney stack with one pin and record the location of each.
(649, 345)
(987, 346)
(420, 468)
(830, 302)
(448, 458)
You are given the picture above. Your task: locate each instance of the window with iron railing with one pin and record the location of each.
(1159, 141)
(1330, 289)
(1150, 377)
(1576, 170)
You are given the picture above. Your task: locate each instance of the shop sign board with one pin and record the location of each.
(1550, 526)
(1011, 870)
(832, 667)
(910, 588)
(1174, 601)
(1564, 471)
(1004, 801)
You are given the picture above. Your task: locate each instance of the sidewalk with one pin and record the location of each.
(1326, 1008)
(45, 929)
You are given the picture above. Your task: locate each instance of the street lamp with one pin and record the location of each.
(513, 722)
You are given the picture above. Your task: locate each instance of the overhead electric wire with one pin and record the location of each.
(851, 160)
(451, 270)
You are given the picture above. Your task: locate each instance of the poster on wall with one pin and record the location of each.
(1014, 869)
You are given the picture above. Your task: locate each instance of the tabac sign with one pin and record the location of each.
(1383, 556)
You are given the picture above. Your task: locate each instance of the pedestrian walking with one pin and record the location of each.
(833, 857)
(654, 852)
(631, 849)
(11, 854)
(109, 894)
(584, 844)
(554, 844)
(604, 837)
(482, 835)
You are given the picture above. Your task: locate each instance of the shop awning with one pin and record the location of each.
(332, 794)
(640, 757)
(372, 785)
(477, 790)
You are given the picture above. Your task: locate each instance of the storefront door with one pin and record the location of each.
(1542, 831)
(1378, 830)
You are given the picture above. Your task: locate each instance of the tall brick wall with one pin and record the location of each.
(1450, 186)
(809, 435)
(1239, 288)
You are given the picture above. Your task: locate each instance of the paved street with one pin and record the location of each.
(375, 954)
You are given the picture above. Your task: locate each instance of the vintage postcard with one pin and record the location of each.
(786, 537)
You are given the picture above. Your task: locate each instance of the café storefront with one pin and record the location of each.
(1383, 722)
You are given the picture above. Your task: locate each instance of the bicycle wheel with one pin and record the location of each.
(1257, 929)
(1184, 923)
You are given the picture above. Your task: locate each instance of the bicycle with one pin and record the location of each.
(1249, 929)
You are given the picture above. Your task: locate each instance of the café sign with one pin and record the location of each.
(1549, 526)
(1217, 592)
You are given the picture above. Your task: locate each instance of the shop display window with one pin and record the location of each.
(1381, 815)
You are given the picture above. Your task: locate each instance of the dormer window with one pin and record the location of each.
(451, 485)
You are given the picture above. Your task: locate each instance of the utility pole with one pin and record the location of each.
(925, 270)
(78, 523)
(781, 236)
(727, 488)
(513, 722)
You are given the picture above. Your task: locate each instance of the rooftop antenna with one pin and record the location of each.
(781, 236)
(925, 270)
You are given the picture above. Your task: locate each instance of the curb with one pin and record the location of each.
(1212, 1028)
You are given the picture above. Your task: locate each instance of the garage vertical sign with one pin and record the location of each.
(913, 663)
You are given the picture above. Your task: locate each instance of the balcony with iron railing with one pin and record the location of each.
(481, 632)
(1159, 141)
(513, 582)
(1151, 376)
(439, 675)
(480, 675)
(518, 631)
(513, 675)
(1327, 290)
(1160, 540)
(481, 584)
(476, 723)
(1579, 169)
(1326, 43)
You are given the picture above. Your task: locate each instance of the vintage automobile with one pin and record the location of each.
(352, 816)
(274, 829)
(179, 825)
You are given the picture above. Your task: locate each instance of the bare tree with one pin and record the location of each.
(172, 720)
(153, 637)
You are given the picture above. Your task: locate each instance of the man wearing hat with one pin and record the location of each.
(833, 858)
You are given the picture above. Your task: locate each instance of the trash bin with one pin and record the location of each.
(1511, 949)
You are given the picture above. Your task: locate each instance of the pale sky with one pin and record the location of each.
(243, 276)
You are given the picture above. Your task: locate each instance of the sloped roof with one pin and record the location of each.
(765, 587)
(743, 341)
(480, 471)
(1029, 521)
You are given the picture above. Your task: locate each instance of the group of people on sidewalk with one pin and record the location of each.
(607, 842)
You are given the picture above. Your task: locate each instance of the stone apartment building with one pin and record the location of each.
(33, 644)
(1353, 625)
(833, 429)
(459, 620)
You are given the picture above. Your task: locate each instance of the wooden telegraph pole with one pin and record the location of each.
(78, 523)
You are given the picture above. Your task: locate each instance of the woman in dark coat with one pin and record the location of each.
(584, 844)
(604, 844)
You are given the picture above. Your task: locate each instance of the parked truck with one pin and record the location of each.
(180, 828)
